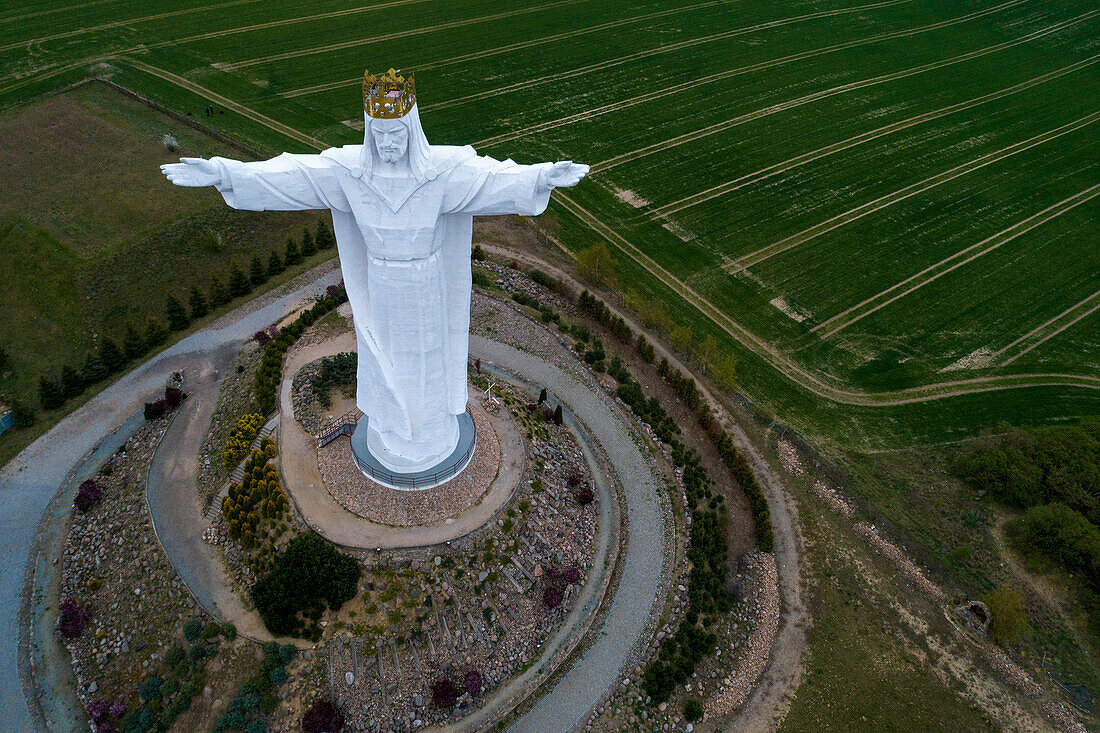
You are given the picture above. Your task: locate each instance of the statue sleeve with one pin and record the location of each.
(288, 182)
(485, 187)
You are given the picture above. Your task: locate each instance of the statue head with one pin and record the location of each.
(391, 140)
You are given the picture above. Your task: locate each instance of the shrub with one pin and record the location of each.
(308, 571)
(111, 355)
(324, 238)
(93, 370)
(217, 292)
(585, 496)
(257, 273)
(240, 440)
(191, 629)
(309, 247)
(552, 596)
(99, 710)
(151, 688)
(173, 396)
(478, 254)
(472, 682)
(155, 332)
(196, 302)
(176, 315)
(558, 417)
(211, 630)
(693, 710)
(291, 256)
(322, 717)
(571, 574)
(155, 409)
(88, 495)
(238, 283)
(50, 393)
(444, 693)
(1009, 620)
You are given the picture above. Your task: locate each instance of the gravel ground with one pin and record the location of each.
(378, 503)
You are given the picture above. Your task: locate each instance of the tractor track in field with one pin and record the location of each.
(949, 264)
(1048, 330)
(806, 235)
(120, 23)
(729, 73)
(803, 377)
(328, 86)
(52, 11)
(298, 53)
(835, 147)
(856, 140)
(678, 46)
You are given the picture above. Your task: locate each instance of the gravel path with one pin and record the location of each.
(31, 479)
(584, 684)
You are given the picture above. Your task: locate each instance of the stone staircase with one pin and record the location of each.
(238, 472)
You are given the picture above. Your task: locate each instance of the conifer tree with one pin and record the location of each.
(21, 413)
(309, 247)
(558, 417)
(324, 239)
(71, 383)
(197, 303)
(49, 393)
(133, 345)
(238, 283)
(257, 273)
(218, 294)
(155, 332)
(176, 315)
(92, 369)
(274, 264)
(292, 256)
(542, 396)
(110, 354)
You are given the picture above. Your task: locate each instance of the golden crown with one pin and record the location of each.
(389, 96)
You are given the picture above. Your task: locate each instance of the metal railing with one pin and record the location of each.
(413, 481)
(343, 425)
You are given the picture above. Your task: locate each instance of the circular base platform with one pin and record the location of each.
(446, 469)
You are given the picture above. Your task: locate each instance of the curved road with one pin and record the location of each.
(30, 480)
(622, 628)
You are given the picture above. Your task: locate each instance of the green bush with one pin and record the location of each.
(308, 572)
(693, 710)
(191, 629)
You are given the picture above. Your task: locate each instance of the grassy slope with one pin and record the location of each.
(80, 257)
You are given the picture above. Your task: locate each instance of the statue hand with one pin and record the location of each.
(192, 172)
(565, 174)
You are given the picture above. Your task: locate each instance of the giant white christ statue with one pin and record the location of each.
(402, 211)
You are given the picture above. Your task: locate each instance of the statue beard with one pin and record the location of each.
(392, 155)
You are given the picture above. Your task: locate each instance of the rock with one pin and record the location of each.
(93, 688)
(438, 560)
(418, 701)
(349, 678)
(662, 706)
(482, 576)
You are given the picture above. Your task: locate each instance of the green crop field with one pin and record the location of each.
(886, 211)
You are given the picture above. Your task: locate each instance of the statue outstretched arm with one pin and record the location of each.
(486, 187)
(287, 182)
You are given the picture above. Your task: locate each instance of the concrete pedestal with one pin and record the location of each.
(379, 468)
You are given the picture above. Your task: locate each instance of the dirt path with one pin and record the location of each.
(795, 240)
(729, 73)
(1049, 330)
(298, 53)
(934, 272)
(619, 60)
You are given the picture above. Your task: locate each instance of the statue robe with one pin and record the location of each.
(405, 257)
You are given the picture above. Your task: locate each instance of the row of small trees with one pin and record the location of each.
(111, 356)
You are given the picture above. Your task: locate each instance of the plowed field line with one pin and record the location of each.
(677, 88)
(118, 23)
(394, 35)
(549, 78)
(934, 272)
(285, 21)
(856, 140)
(795, 240)
(742, 335)
(328, 86)
(1048, 330)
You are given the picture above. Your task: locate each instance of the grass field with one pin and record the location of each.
(883, 209)
(89, 239)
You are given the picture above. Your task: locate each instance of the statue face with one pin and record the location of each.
(391, 139)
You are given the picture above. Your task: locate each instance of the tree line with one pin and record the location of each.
(112, 356)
